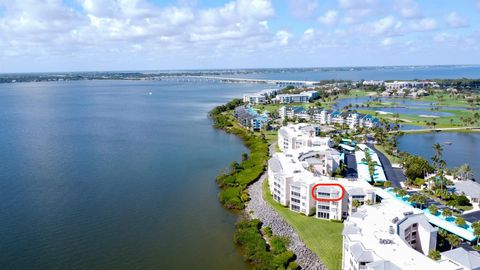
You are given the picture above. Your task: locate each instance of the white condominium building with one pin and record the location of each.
(300, 135)
(254, 98)
(338, 210)
(259, 97)
(388, 236)
(373, 83)
(308, 160)
(289, 98)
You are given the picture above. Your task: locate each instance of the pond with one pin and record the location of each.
(458, 148)
(405, 103)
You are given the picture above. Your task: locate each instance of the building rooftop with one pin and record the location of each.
(467, 259)
(372, 232)
(469, 187)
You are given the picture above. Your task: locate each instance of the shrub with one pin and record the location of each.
(251, 241)
(460, 221)
(293, 266)
(434, 255)
(282, 260)
(278, 244)
(433, 209)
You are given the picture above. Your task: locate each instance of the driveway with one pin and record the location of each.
(395, 175)
(351, 163)
(472, 217)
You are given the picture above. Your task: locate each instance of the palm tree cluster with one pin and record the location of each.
(400, 192)
(418, 200)
(452, 239)
(464, 172)
(370, 163)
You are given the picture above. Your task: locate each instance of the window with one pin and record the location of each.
(323, 215)
(295, 200)
(295, 194)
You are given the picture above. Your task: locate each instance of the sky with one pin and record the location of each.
(89, 35)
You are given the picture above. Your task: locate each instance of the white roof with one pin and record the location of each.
(469, 187)
(362, 168)
(467, 259)
(371, 224)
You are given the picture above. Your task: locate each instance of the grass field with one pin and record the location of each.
(390, 157)
(442, 122)
(445, 100)
(321, 236)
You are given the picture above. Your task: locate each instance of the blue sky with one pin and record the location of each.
(74, 35)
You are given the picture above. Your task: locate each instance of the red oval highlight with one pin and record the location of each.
(328, 199)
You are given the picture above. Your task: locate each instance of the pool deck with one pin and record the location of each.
(438, 220)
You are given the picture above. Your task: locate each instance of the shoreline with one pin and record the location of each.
(258, 208)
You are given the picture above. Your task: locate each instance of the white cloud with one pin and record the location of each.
(283, 37)
(45, 26)
(356, 4)
(329, 18)
(423, 25)
(455, 21)
(408, 9)
(302, 9)
(308, 34)
(385, 26)
(387, 41)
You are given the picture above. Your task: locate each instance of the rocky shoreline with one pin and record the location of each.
(259, 208)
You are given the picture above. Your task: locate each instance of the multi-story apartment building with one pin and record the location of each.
(393, 235)
(307, 160)
(290, 98)
(260, 97)
(300, 135)
(250, 118)
(338, 210)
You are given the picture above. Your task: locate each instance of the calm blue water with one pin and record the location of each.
(404, 106)
(369, 73)
(464, 148)
(102, 175)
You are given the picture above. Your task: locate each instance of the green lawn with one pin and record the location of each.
(390, 157)
(445, 100)
(442, 122)
(321, 236)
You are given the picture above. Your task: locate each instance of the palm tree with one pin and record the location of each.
(465, 172)
(453, 240)
(402, 193)
(460, 221)
(476, 230)
(356, 204)
(443, 233)
(452, 203)
(433, 209)
(434, 254)
(438, 153)
(447, 213)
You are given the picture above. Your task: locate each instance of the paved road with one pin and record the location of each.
(351, 163)
(395, 175)
(472, 217)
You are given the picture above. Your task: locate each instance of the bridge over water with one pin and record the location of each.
(191, 78)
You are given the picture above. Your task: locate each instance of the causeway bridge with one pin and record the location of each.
(191, 78)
